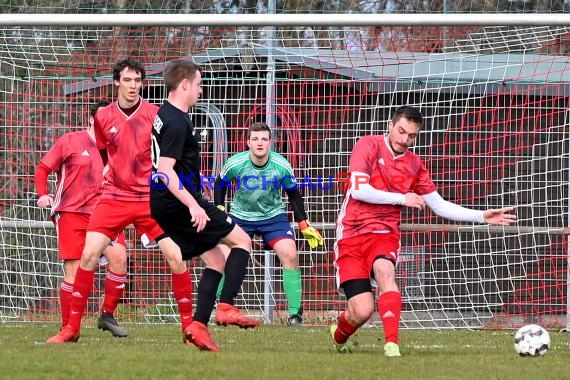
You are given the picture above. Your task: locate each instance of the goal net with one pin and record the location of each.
(495, 101)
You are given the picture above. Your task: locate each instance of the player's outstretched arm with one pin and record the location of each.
(501, 216)
(451, 211)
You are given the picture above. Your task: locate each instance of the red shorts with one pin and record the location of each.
(71, 229)
(111, 216)
(355, 256)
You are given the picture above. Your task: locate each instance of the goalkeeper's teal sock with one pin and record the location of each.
(220, 287)
(293, 289)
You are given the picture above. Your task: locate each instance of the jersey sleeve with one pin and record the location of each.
(41, 179)
(360, 158)
(56, 156)
(286, 173)
(423, 184)
(98, 130)
(229, 170)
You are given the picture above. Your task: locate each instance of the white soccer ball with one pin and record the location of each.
(532, 340)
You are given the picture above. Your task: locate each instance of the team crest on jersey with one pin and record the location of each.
(229, 220)
(381, 161)
(157, 124)
(85, 153)
(113, 129)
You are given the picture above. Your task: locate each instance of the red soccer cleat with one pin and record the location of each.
(66, 335)
(197, 334)
(229, 315)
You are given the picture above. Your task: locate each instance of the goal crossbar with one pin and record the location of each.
(417, 19)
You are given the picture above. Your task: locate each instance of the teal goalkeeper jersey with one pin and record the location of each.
(258, 190)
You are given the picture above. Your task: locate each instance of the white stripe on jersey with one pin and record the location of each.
(232, 163)
(59, 191)
(342, 214)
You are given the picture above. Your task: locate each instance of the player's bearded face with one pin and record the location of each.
(402, 134)
(129, 86)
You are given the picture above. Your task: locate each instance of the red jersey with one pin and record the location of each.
(77, 163)
(403, 173)
(127, 140)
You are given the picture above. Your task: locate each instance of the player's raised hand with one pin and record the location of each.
(414, 200)
(500, 216)
(45, 201)
(199, 217)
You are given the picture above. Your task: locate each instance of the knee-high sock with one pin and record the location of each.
(344, 329)
(206, 295)
(182, 288)
(114, 289)
(390, 308)
(293, 289)
(236, 268)
(82, 289)
(65, 297)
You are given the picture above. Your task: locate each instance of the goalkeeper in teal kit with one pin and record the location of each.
(257, 176)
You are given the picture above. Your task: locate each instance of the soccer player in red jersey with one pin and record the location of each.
(122, 131)
(384, 177)
(75, 159)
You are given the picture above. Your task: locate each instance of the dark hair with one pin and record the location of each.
(95, 107)
(408, 112)
(258, 127)
(132, 64)
(177, 70)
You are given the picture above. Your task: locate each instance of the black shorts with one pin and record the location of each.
(175, 219)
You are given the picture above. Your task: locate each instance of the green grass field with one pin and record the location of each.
(157, 352)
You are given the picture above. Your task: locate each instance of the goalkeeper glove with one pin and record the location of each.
(310, 234)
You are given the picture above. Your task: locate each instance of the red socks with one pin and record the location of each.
(82, 289)
(65, 297)
(390, 308)
(344, 329)
(182, 288)
(114, 289)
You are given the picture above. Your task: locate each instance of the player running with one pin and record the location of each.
(122, 131)
(195, 225)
